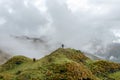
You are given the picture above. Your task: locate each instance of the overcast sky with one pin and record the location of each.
(76, 23)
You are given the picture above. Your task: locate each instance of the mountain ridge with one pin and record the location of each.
(61, 64)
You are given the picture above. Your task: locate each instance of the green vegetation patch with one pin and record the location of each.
(7, 76)
(102, 69)
(115, 76)
(69, 71)
(102, 66)
(62, 64)
(30, 75)
(72, 54)
(14, 62)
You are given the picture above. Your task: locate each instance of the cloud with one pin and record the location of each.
(91, 29)
(78, 27)
(20, 18)
(88, 27)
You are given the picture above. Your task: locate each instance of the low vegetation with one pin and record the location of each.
(62, 64)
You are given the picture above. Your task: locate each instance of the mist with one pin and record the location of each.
(87, 25)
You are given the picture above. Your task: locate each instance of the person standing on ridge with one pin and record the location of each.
(62, 45)
(34, 60)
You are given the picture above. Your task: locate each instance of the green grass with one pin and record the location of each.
(115, 75)
(62, 64)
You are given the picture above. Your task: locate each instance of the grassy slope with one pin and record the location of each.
(103, 69)
(62, 64)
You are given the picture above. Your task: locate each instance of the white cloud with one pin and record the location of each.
(85, 6)
(76, 23)
(76, 5)
(2, 21)
(41, 5)
(116, 32)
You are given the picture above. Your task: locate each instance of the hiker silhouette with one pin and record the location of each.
(34, 59)
(62, 45)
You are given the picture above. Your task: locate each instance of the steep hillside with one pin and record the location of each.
(62, 64)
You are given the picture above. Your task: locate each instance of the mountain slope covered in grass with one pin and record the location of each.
(62, 64)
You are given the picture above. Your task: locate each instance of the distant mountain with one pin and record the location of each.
(112, 52)
(62, 64)
(92, 56)
(4, 57)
